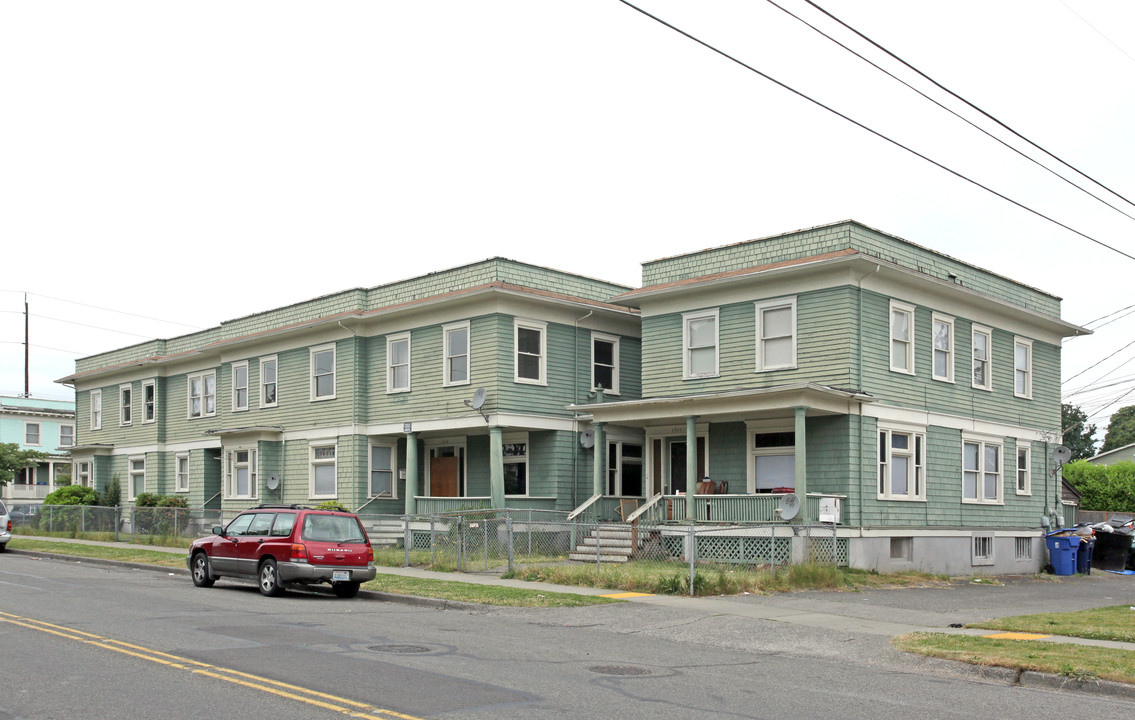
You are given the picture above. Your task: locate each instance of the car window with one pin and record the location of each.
(332, 528)
(238, 526)
(261, 524)
(3, 510)
(284, 524)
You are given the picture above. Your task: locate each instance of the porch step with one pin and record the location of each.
(586, 557)
(385, 533)
(614, 543)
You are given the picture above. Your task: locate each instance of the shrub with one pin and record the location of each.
(156, 514)
(72, 495)
(112, 493)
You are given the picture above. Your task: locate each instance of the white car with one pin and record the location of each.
(5, 527)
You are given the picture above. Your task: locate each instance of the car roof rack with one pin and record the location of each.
(278, 506)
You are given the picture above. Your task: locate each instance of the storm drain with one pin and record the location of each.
(622, 670)
(401, 649)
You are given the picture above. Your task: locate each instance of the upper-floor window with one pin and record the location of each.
(323, 372)
(605, 363)
(1024, 469)
(1023, 368)
(902, 462)
(149, 401)
(456, 354)
(398, 363)
(776, 334)
(268, 381)
(240, 386)
(31, 433)
(66, 435)
(981, 471)
(125, 405)
(96, 409)
(982, 358)
(943, 332)
(203, 394)
(530, 341)
(902, 337)
(699, 342)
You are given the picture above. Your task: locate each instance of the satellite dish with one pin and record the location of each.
(587, 439)
(1061, 455)
(478, 398)
(789, 506)
(272, 482)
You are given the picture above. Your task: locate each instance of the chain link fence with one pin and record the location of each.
(150, 525)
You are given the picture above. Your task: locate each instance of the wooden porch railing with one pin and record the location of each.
(428, 505)
(759, 508)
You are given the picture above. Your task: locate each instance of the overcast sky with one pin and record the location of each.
(195, 162)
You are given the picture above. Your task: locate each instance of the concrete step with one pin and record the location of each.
(590, 557)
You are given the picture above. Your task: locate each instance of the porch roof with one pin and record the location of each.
(731, 405)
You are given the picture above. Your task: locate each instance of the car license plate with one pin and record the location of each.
(340, 575)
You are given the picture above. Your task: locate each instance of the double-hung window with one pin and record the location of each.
(516, 465)
(981, 471)
(1024, 469)
(203, 394)
(181, 471)
(699, 342)
(455, 340)
(323, 372)
(943, 350)
(324, 477)
(125, 405)
(531, 343)
(1023, 368)
(137, 476)
(83, 474)
(66, 435)
(902, 337)
(96, 409)
(149, 401)
(398, 363)
(605, 363)
(383, 466)
(241, 472)
(776, 334)
(902, 463)
(268, 381)
(240, 386)
(982, 358)
(31, 433)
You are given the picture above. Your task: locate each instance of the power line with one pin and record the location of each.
(1098, 31)
(876, 133)
(93, 327)
(42, 347)
(97, 307)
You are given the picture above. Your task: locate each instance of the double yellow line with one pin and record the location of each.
(254, 682)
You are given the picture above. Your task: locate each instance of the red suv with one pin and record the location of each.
(281, 545)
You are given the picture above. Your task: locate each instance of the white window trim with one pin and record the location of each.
(151, 383)
(189, 396)
(312, 352)
(752, 429)
(542, 372)
(125, 408)
(260, 380)
(689, 317)
(130, 474)
(615, 451)
(72, 443)
(615, 350)
(1026, 447)
(514, 439)
(393, 468)
(918, 471)
(38, 432)
(1028, 345)
(390, 340)
(988, 333)
(949, 322)
(983, 441)
(230, 469)
(247, 386)
(909, 310)
(96, 415)
(312, 462)
(987, 539)
(760, 307)
(177, 474)
(445, 330)
(82, 473)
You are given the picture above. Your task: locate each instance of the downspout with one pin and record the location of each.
(859, 372)
(575, 418)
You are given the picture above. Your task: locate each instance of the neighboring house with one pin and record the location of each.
(919, 390)
(47, 426)
(444, 391)
(1111, 457)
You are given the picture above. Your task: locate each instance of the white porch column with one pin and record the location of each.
(801, 475)
(692, 463)
(496, 466)
(411, 473)
(599, 460)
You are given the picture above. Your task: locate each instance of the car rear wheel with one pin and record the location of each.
(269, 579)
(345, 589)
(201, 575)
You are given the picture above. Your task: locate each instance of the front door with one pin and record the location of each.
(447, 471)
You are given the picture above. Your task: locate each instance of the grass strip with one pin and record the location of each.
(1116, 622)
(1077, 662)
(102, 552)
(482, 594)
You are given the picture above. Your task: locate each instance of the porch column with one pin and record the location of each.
(599, 460)
(801, 463)
(692, 463)
(496, 466)
(411, 473)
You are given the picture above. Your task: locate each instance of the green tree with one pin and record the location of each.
(1120, 430)
(1077, 433)
(72, 495)
(13, 459)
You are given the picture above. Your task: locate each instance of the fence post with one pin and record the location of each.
(51, 518)
(433, 543)
(460, 543)
(508, 532)
(133, 523)
(598, 544)
(529, 534)
(83, 519)
(691, 552)
(408, 539)
(117, 522)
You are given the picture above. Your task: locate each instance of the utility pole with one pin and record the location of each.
(27, 382)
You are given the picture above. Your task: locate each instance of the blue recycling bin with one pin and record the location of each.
(1062, 553)
(1084, 556)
